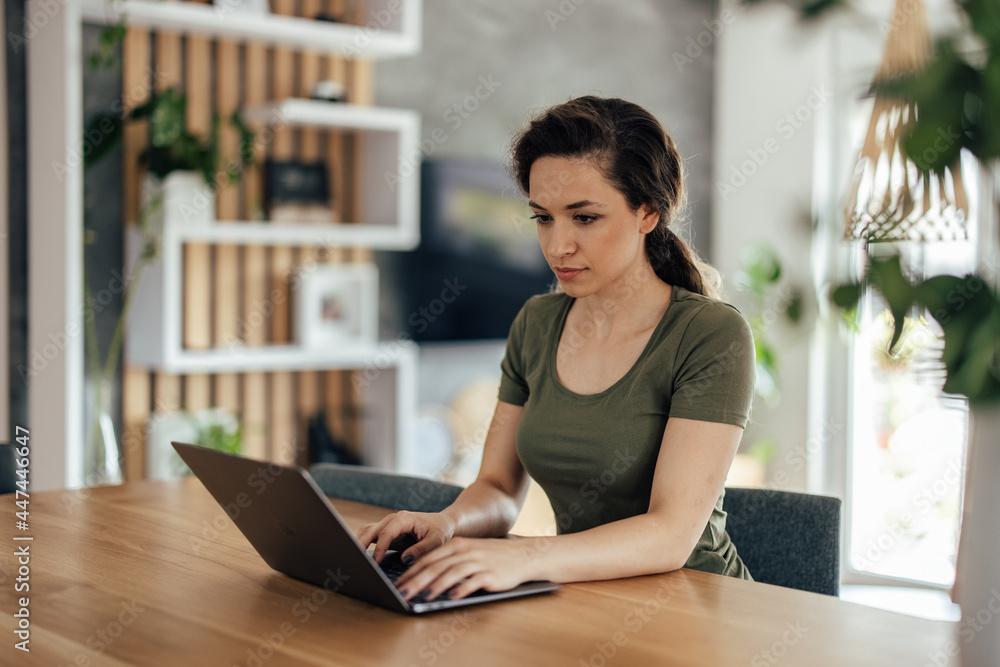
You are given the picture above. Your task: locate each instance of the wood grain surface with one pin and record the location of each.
(155, 573)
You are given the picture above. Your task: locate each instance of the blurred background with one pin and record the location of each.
(348, 295)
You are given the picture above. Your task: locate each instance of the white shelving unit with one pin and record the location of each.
(55, 397)
(392, 29)
(387, 371)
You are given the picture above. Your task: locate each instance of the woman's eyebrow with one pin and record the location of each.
(583, 204)
(575, 205)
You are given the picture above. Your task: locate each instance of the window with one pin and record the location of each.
(899, 461)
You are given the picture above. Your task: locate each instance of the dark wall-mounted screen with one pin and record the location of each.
(478, 260)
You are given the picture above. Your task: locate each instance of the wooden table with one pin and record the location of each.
(154, 573)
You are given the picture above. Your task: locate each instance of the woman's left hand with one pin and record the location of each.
(493, 564)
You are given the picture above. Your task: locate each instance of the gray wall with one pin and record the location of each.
(544, 52)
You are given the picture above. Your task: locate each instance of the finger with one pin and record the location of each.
(453, 575)
(420, 549)
(367, 533)
(429, 578)
(472, 584)
(388, 535)
(425, 556)
(404, 541)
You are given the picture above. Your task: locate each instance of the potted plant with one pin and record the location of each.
(181, 167)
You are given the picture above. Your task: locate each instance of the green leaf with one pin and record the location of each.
(794, 308)
(847, 296)
(887, 275)
(101, 136)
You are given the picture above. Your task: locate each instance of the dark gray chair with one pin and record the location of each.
(786, 539)
(382, 488)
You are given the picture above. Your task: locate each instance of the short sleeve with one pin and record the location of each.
(715, 369)
(513, 386)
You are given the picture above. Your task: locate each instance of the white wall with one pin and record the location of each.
(781, 160)
(767, 68)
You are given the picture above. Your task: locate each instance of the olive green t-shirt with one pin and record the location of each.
(594, 455)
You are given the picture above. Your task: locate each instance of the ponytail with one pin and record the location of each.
(676, 264)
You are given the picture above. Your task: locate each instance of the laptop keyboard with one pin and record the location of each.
(394, 567)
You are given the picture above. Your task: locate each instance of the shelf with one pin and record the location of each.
(280, 358)
(283, 234)
(393, 27)
(388, 190)
(317, 113)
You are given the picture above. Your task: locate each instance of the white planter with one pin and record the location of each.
(187, 199)
(977, 581)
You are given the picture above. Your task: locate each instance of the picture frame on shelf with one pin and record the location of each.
(336, 304)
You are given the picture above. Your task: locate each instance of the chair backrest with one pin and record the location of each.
(786, 539)
(382, 488)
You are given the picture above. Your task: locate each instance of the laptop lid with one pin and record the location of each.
(297, 531)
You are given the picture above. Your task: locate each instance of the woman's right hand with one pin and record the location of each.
(418, 533)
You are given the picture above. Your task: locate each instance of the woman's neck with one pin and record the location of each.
(635, 302)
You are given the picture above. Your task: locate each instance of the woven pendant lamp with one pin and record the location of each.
(890, 199)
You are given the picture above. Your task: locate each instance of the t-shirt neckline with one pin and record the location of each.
(561, 325)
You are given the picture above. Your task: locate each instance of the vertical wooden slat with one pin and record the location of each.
(283, 431)
(227, 278)
(136, 54)
(309, 151)
(197, 391)
(336, 69)
(136, 401)
(198, 256)
(167, 387)
(362, 91)
(167, 393)
(255, 272)
(310, 397)
(334, 397)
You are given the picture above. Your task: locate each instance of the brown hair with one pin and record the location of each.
(637, 157)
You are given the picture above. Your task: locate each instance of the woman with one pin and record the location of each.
(624, 394)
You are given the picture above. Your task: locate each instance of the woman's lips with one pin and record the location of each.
(568, 273)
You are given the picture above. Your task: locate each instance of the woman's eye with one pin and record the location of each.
(541, 218)
(586, 219)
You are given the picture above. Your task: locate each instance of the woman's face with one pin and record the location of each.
(589, 235)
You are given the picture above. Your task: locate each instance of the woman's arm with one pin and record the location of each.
(487, 508)
(691, 470)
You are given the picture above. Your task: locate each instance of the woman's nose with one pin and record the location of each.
(560, 241)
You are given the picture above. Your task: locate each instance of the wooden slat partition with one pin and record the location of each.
(282, 408)
(256, 282)
(309, 388)
(198, 256)
(226, 310)
(136, 382)
(240, 295)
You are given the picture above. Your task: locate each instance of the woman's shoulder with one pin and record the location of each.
(706, 312)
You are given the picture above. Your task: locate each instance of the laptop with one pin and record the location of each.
(297, 531)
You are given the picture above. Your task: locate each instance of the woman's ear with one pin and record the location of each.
(649, 218)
